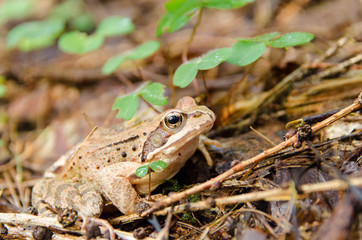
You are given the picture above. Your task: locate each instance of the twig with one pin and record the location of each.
(11, 187)
(260, 215)
(338, 68)
(263, 101)
(331, 51)
(242, 165)
(354, 190)
(164, 233)
(268, 195)
(204, 234)
(17, 179)
(265, 138)
(52, 223)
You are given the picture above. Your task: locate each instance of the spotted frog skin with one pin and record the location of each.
(102, 169)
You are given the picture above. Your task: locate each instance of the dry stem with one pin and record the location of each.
(49, 222)
(268, 195)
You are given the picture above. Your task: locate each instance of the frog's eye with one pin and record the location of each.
(173, 120)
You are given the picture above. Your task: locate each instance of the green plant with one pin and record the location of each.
(2, 86)
(142, 171)
(179, 12)
(15, 10)
(174, 186)
(151, 92)
(241, 53)
(156, 166)
(188, 217)
(144, 50)
(80, 43)
(35, 35)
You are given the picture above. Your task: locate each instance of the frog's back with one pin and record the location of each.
(106, 147)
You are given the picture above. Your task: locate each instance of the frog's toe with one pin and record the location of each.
(67, 217)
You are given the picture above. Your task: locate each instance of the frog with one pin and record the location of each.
(102, 169)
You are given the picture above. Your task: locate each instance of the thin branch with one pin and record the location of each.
(268, 195)
(52, 223)
(338, 68)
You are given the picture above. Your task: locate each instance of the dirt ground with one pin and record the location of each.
(309, 188)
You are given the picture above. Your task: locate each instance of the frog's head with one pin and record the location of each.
(177, 129)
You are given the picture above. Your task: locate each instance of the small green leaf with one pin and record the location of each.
(214, 58)
(144, 50)
(83, 23)
(188, 217)
(2, 79)
(226, 4)
(185, 73)
(2, 90)
(15, 9)
(262, 38)
(114, 26)
(292, 39)
(79, 43)
(158, 166)
(173, 5)
(177, 15)
(153, 93)
(2, 86)
(245, 52)
(195, 197)
(142, 171)
(112, 64)
(126, 106)
(67, 10)
(34, 35)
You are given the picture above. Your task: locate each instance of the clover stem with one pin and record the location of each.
(186, 49)
(139, 71)
(149, 184)
(206, 90)
(149, 104)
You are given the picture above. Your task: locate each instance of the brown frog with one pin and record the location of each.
(103, 167)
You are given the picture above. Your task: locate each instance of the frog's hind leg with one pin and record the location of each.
(50, 195)
(119, 190)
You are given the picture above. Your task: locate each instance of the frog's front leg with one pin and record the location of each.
(58, 193)
(117, 188)
(203, 140)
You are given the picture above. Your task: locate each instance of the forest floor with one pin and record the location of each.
(261, 185)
